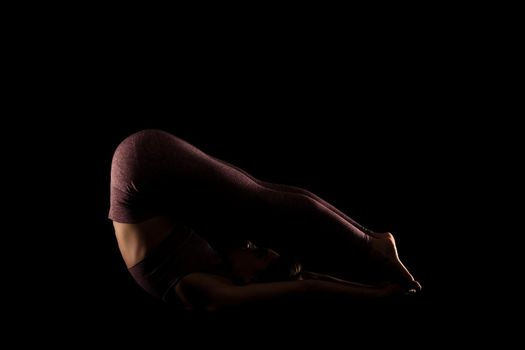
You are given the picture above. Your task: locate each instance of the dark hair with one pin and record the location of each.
(283, 269)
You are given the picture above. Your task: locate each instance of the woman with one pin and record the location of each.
(185, 223)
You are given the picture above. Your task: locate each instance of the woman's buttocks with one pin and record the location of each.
(146, 178)
(146, 154)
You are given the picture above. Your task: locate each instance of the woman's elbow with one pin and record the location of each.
(202, 293)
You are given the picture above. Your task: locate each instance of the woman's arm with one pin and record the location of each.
(309, 275)
(210, 292)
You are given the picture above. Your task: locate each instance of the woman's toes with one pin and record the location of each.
(414, 285)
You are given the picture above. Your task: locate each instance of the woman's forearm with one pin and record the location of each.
(328, 288)
(308, 275)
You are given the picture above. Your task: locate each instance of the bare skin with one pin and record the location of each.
(384, 249)
(135, 241)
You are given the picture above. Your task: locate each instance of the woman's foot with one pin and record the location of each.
(384, 250)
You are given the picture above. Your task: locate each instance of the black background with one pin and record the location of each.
(370, 116)
(386, 179)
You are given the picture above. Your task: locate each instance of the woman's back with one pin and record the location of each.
(135, 241)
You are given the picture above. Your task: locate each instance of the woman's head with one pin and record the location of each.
(252, 264)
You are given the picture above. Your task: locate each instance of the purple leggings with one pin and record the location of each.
(155, 173)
